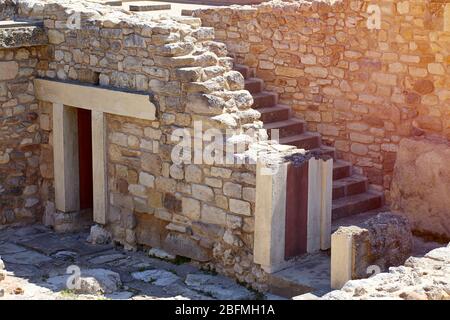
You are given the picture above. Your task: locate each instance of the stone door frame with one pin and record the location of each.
(66, 98)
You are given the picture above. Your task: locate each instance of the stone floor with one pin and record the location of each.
(40, 264)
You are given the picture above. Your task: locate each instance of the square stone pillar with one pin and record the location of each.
(270, 217)
(99, 167)
(65, 155)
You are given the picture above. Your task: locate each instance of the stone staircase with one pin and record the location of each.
(351, 194)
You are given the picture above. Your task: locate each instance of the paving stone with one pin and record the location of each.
(157, 277)
(107, 258)
(7, 247)
(219, 287)
(91, 281)
(51, 243)
(44, 277)
(26, 257)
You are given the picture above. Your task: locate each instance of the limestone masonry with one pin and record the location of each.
(96, 100)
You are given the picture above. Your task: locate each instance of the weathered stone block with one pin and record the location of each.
(421, 185)
(185, 246)
(8, 70)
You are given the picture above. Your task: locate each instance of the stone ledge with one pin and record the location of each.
(14, 34)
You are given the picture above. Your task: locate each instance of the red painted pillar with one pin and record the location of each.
(85, 158)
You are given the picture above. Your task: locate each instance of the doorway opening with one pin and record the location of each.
(84, 117)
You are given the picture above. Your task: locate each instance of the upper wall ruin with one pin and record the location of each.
(362, 89)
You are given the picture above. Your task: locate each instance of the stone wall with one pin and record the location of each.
(362, 89)
(20, 134)
(202, 211)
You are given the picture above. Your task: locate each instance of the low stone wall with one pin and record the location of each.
(362, 89)
(376, 245)
(419, 279)
(421, 186)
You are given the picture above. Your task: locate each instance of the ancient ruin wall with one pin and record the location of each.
(20, 137)
(363, 90)
(205, 212)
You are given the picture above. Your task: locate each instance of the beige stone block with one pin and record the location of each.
(418, 72)
(193, 173)
(232, 190)
(249, 194)
(146, 179)
(44, 122)
(137, 190)
(409, 58)
(385, 78)
(214, 215)
(289, 72)
(403, 7)
(221, 172)
(221, 201)
(155, 199)
(213, 182)
(359, 137)
(8, 70)
(176, 171)
(341, 257)
(152, 163)
(165, 184)
(55, 36)
(397, 67)
(202, 192)
(190, 208)
(308, 59)
(240, 207)
(359, 149)
(420, 185)
(319, 72)
(436, 68)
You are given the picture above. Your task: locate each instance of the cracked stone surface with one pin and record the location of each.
(424, 278)
(40, 263)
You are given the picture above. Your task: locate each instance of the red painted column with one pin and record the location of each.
(296, 210)
(85, 158)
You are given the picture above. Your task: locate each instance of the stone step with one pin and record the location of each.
(341, 169)
(286, 128)
(307, 140)
(244, 70)
(352, 205)
(264, 99)
(308, 274)
(275, 113)
(254, 85)
(349, 186)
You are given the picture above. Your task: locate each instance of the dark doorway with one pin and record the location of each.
(85, 158)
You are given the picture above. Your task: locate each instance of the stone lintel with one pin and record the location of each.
(95, 98)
